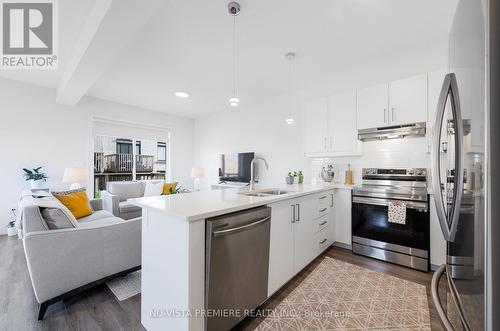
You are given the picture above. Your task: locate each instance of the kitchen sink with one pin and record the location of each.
(265, 193)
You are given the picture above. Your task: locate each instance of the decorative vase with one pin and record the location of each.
(301, 179)
(38, 184)
(289, 180)
(11, 231)
(296, 179)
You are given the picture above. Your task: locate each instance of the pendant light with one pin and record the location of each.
(289, 57)
(234, 10)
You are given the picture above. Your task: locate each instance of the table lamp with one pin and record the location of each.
(197, 173)
(75, 176)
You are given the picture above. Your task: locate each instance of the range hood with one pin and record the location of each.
(392, 132)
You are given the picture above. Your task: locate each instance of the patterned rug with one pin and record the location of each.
(341, 296)
(127, 286)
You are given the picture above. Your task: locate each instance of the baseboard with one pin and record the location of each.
(3, 231)
(342, 245)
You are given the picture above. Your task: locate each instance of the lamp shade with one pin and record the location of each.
(197, 172)
(75, 175)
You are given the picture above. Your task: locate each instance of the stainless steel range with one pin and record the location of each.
(375, 234)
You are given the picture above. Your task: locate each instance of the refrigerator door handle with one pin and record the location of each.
(435, 298)
(449, 222)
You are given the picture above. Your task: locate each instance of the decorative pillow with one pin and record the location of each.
(167, 187)
(56, 219)
(76, 201)
(153, 189)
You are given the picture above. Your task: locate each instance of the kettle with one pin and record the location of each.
(327, 173)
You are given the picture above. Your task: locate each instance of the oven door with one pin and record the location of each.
(370, 221)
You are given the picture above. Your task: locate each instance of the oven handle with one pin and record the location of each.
(385, 202)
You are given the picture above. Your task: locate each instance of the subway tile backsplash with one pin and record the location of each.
(410, 152)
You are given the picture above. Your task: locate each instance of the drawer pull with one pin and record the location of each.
(323, 223)
(322, 210)
(323, 197)
(322, 241)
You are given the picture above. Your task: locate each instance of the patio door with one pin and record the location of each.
(124, 151)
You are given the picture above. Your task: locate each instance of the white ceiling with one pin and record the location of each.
(188, 46)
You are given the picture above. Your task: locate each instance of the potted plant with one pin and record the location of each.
(289, 178)
(295, 177)
(36, 177)
(11, 226)
(301, 177)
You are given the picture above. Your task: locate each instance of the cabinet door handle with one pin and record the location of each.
(331, 142)
(324, 143)
(322, 241)
(393, 114)
(385, 115)
(322, 210)
(323, 223)
(323, 197)
(293, 213)
(298, 213)
(332, 200)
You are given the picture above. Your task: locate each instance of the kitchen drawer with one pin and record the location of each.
(324, 199)
(323, 211)
(322, 222)
(322, 239)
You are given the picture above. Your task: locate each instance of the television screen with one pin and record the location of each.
(236, 167)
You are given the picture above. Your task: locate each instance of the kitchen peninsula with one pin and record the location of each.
(174, 244)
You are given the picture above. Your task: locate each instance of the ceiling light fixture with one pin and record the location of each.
(181, 94)
(289, 57)
(234, 10)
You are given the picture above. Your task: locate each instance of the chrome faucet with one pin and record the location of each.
(252, 180)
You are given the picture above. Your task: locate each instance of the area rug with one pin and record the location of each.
(341, 296)
(127, 286)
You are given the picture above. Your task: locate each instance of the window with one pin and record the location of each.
(124, 146)
(115, 159)
(161, 152)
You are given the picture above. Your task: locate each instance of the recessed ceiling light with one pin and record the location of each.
(181, 94)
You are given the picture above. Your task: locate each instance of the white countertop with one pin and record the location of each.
(204, 204)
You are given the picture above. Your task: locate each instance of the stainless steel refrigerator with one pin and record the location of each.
(459, 154)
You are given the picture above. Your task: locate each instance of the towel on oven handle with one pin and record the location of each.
(397, 212)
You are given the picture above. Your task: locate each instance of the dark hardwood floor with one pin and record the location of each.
(98, 309)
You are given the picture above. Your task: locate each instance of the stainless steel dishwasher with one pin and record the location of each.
(237, 266)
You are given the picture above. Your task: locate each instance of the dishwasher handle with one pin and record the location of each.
(240, 228)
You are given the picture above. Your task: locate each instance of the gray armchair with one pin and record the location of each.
(66, 261)
(116, 196)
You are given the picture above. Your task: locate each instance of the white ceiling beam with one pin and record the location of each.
(111, 26)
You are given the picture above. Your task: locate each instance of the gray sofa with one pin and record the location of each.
(116, 195)
(63, 262)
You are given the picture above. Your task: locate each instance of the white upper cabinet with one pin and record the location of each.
(408, 100)
(342, 132)
(400, 102)
(435, 83)
(330, 126)
(316, 112)
(373, 103)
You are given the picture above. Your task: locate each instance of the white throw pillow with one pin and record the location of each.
(152, 189)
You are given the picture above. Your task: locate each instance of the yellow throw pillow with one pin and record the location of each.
(76, 201)
(167, 187)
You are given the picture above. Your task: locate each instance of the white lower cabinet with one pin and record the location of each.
(300, 231)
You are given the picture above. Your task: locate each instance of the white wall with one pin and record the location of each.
(35, 131)
(261, 127)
